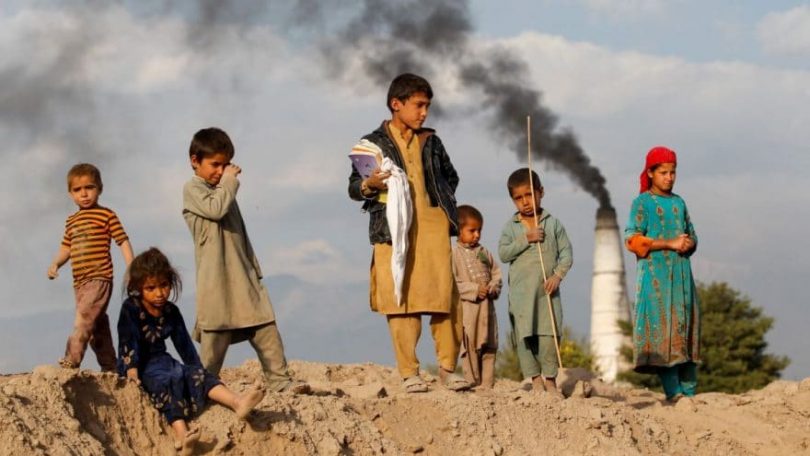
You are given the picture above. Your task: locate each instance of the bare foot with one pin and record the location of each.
(247, 401)
(538, 386)
(189, 441)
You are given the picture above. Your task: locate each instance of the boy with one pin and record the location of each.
(232, 303)
(86, 243)
(478, 278)
(428, 286)
(528, 306)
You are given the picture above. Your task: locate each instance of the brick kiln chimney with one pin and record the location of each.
(608, 296)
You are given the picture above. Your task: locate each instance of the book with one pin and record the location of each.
(366, 157)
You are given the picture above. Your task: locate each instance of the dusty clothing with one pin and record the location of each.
(265, 340)
(230, 294)
(537, 355)
(232, 303)
(178, 390)
(527, 297)
(87, 234)
(438, 174)
(92, 325)
(473, 267)
(428, 285)
(405, 331)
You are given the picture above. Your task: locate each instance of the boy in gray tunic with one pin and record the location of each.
(232, 303)
(528, 306)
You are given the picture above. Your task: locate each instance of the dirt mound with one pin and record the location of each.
(361, 409)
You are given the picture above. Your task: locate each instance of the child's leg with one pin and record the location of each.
(446, 331)
(469, 364)
(185, 439)
(91, 302)
(670, 382)
(548, 363)
(266, 341)
(213, 346)
(405, 331)
(242, 404)
(687, 375)
(488, 369)
(527, 354)
(101, 339)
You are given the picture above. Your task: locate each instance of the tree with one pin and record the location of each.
(732, 344)
(574, 353)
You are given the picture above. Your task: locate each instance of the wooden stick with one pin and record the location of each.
(539, 249)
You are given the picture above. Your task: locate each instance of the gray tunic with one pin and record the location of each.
(528, 306)
(230, 294)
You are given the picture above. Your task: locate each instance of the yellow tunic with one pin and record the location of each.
(428, 286)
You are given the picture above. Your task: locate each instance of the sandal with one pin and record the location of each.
(453, 381)
(414, 384)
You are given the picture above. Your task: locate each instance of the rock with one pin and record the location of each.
(804, 385)
(371, 391)
(686, 405)
(582, 389)
(497, 449)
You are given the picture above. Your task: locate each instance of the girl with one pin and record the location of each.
(666, 330)
(178, 390)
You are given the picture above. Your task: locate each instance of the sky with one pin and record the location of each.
(125, 85)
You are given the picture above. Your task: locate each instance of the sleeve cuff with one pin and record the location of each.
(638, 244)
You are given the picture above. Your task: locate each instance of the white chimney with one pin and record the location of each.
(608, 296)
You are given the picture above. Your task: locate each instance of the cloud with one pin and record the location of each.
(786, 32)
(317, 261)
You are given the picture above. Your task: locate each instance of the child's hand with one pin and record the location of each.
(377, 180)
(132, 376)
(483, 291)
(552, 283)
(535, 234)
(681, 244)
(690, 244)
(231, 170)
(53, 271)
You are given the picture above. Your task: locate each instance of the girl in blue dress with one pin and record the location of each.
(666, 327)
(147, 319)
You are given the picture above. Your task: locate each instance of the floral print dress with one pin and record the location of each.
(666, 327)
(178, 390)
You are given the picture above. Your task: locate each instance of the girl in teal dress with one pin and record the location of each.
(178, 390)
(666, 326)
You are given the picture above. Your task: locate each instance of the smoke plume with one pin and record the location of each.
(428, 37)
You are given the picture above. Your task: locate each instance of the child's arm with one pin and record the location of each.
(211, 203)
(182, 340)
(565, 259)
(128, 332)
(496, 283)
(510, 247)
(126, 251)
(61, 258)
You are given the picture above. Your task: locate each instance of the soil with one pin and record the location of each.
(361, 409)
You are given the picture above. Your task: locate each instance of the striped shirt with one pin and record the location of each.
(87, 235)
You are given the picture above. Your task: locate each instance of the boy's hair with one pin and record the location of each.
(210, 141)
(85, 169)
(467, 212)
(521, 177)
(151, 263)
(405, 85)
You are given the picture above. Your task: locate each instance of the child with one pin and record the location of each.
(528, 304)
(666, 332)
(147, 319)
(428, 286)
(478, 278)
(86, 243)
(232, 303)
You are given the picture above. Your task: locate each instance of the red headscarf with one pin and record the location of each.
(656, 156)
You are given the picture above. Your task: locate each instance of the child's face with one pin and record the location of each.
(210, 168)
(84, 191)
(413, 111)
(470, 232)
(155, 293)
(522, 197)
(663, 178)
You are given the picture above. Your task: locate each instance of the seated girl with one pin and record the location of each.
(148, 318)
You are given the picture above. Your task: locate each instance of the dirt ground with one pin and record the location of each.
(361, 409)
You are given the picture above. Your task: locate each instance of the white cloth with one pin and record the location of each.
(399, 212)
